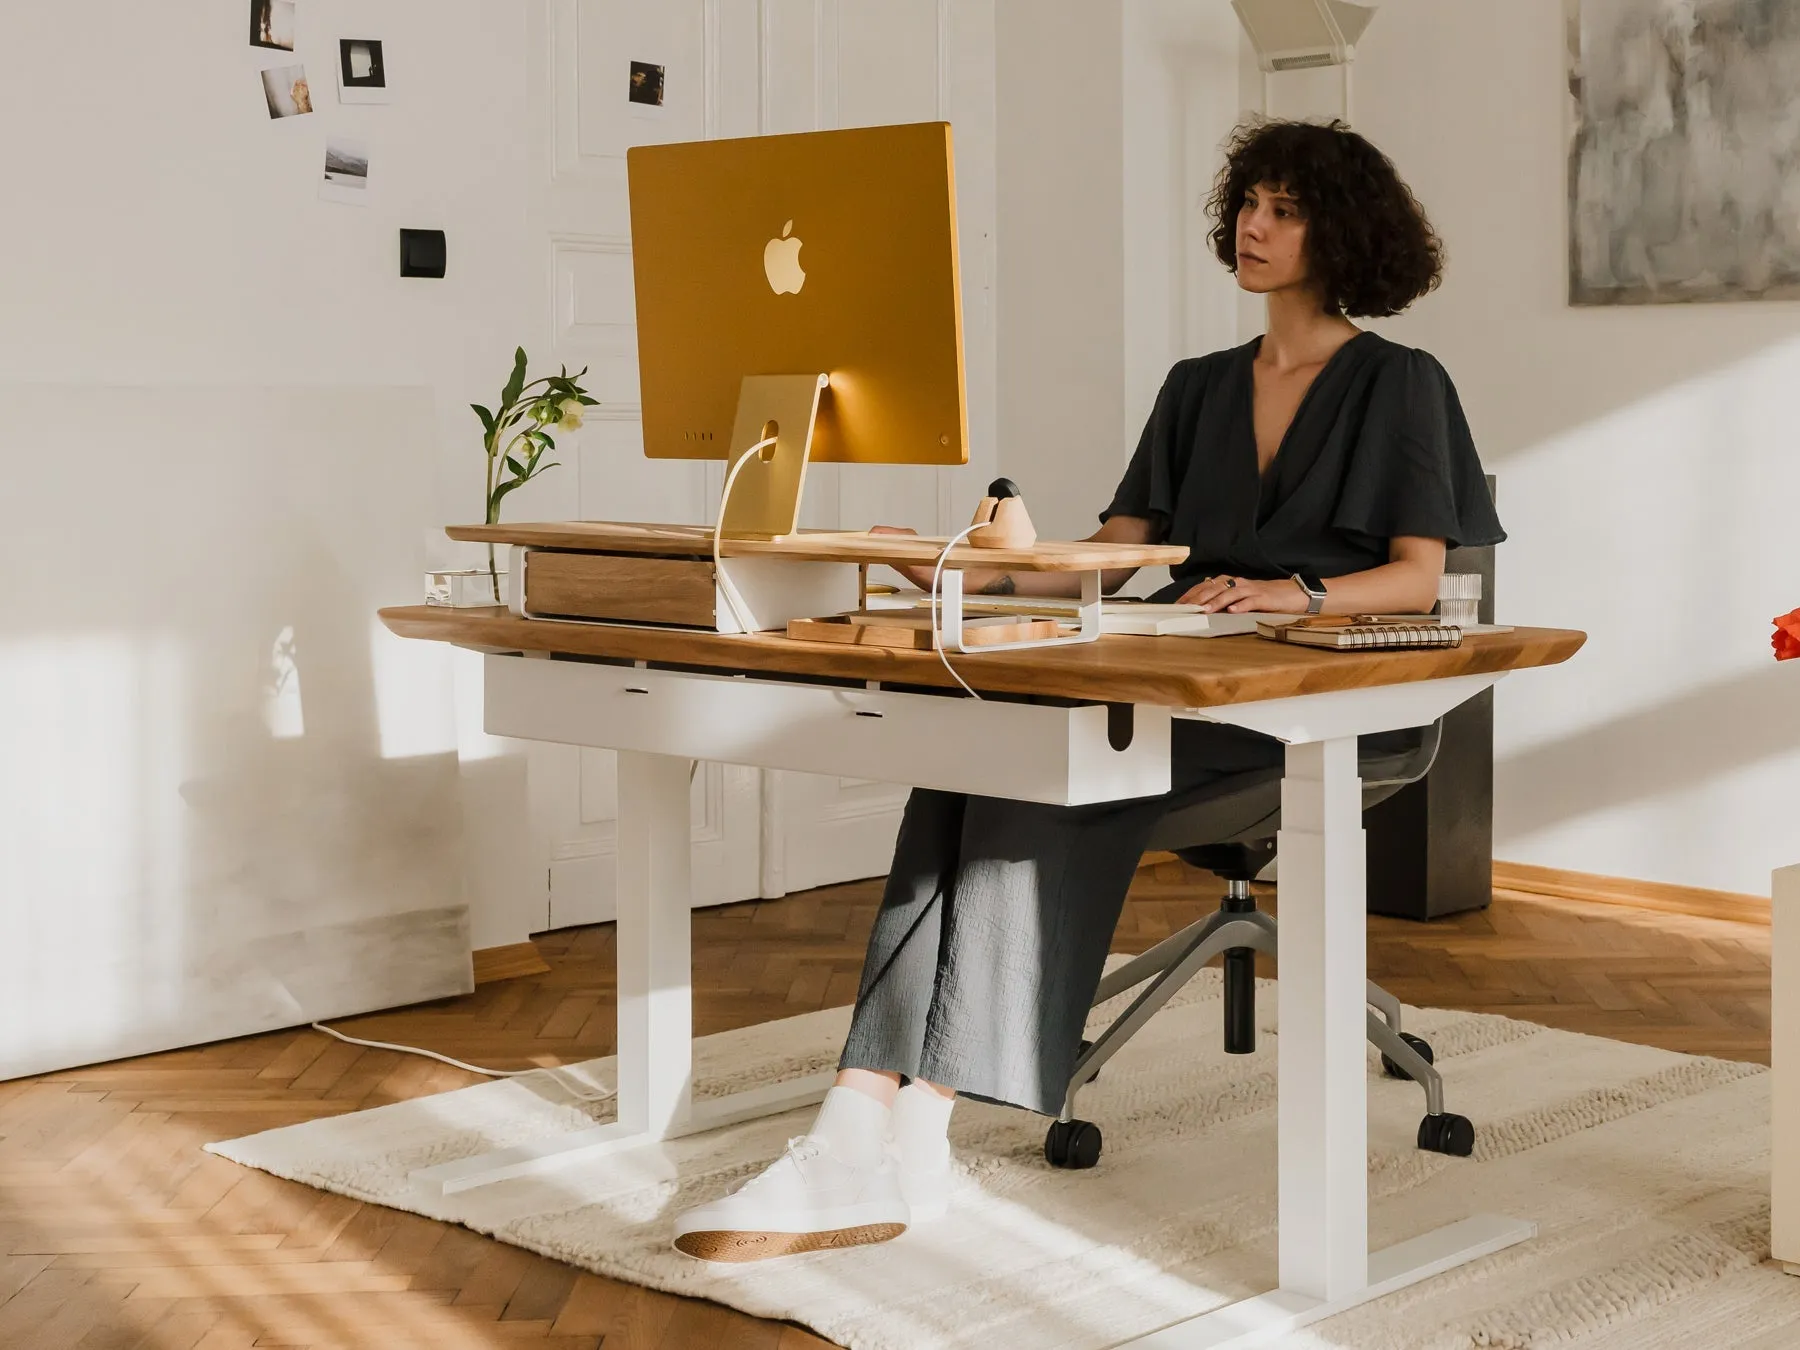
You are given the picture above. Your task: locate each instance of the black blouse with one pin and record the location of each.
(1378, 447)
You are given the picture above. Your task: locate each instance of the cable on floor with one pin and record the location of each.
(598, 1094)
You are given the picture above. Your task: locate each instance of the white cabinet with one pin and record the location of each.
(1784, 1030)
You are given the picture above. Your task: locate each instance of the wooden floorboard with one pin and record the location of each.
(118, 1233)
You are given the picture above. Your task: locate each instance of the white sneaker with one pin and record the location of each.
(926, 1190)
(806, 1200)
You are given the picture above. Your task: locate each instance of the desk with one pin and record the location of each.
(1066, 724)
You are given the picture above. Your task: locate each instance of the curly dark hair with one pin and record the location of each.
(1370, 248)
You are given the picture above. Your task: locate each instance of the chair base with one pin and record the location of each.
(1236, 932)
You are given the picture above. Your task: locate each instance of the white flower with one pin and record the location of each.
(572, 411)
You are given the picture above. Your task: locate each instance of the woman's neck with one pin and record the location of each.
(1300, 332)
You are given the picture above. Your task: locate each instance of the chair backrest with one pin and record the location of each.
(1247, 807)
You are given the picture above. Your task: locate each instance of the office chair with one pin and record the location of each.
(1231, 833)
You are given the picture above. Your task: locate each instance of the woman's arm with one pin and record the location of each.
(1406, 584)
(991, 581)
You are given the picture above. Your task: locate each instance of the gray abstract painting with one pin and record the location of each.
(1684, 168)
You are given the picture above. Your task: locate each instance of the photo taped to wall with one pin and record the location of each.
(346, 171)
(272, 24)
(646, 87)
(362, 71)
(285, 88)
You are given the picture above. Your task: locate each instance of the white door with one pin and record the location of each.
(734, 68)
(844, 63)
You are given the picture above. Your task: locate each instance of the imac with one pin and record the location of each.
(799, 293)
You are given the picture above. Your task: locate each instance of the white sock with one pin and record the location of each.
(921, 1127)
(854, 1124)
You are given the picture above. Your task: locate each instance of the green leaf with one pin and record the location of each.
(517, 382)
(487, 418)
(550, 444)
(506, 487)
(587, 402)
(514, 466)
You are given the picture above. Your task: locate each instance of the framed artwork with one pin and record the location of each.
(1684, 163)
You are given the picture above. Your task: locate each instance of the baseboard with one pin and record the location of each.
(508, 963)
(1528, 879)
(1696, 901)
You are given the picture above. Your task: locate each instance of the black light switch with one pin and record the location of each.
(422, 253)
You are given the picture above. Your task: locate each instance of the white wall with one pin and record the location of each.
(1059, 307)
(1648, 478)
(227, 416)
(1110, 113)
(1645, 456)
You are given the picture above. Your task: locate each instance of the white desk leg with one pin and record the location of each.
(1322, 1115)
(656, 1007)
(1323, 1111)
(656, 1010)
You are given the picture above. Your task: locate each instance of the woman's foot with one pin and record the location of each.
(925, 1185)
(921, 1121)
(807, 1200)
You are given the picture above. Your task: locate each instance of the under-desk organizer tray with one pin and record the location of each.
(1062, 755)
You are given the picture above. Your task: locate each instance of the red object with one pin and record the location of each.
(1787, 636)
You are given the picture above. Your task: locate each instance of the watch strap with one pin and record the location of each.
(1315, 591)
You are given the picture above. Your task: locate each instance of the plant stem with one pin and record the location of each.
(491, 512)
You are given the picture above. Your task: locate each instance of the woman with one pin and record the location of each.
(1317, 467)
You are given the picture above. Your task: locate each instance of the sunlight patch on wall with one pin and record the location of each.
(90, 850)
(282, 710)
(414, 702)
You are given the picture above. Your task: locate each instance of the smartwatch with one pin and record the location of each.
(1315, 591)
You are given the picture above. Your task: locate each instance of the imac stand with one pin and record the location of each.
(764, 501)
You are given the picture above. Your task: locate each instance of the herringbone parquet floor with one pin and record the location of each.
(116, 1231)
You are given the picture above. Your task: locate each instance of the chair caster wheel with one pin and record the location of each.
(1073, 1144)
(1393, 1070)
(1451, 1134)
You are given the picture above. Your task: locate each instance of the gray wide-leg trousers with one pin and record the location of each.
(995, 925)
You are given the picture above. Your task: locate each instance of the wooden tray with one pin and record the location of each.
(869, 630)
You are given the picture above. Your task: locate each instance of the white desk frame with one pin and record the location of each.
(659, 721)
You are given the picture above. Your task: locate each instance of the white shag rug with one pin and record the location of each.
(1646, 1171)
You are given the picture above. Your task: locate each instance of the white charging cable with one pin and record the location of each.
(599, 1094)
(937, 627)
(733, 601)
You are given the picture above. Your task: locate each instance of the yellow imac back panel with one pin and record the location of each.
(828, 253)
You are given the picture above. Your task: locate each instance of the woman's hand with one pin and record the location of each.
(1235, 595)
(918, 576)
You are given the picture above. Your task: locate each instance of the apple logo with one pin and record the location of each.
(781, 263)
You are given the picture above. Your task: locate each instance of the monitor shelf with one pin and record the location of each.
(839, 546)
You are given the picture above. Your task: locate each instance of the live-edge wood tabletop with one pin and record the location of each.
(1177, 672)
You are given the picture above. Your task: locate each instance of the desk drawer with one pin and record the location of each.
(1063, 756)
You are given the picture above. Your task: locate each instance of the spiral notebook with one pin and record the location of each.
(1361, 632)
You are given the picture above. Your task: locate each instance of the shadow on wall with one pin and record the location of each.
(1665, 529)
(233, 801)
(1656, 752)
